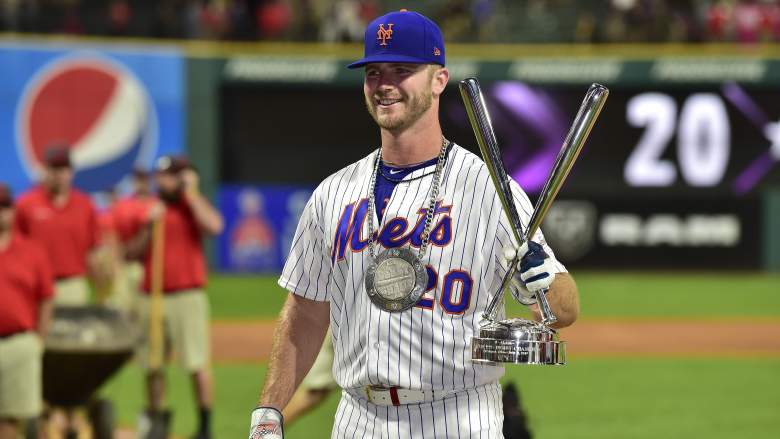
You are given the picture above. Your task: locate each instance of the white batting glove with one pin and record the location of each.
(516, 286)
(267, 423)
(536, 269)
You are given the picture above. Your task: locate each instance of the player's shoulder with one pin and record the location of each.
(466, 159)
(466, 165)
(353, 174)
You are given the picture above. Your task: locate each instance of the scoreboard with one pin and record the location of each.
(671, 176)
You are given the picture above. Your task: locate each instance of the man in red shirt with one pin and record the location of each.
(187, 216)
(63, 220)
(127, 214)
(25, 312)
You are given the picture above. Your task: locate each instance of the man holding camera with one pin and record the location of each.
(186, 216)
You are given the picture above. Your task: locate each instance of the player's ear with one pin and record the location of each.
(439, 79)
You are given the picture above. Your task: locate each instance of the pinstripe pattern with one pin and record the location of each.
(471, 413)
(419, 348)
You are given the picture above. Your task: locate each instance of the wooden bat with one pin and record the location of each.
(156, 339)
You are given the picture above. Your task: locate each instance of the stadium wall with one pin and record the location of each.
(710, 78)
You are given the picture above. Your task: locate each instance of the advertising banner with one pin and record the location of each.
(116, 108)
(260, 224)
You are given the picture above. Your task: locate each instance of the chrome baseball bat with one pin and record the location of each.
(572, 145)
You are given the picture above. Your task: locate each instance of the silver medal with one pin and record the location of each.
(396, 280)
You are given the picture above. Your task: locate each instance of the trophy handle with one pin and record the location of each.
(548, 318)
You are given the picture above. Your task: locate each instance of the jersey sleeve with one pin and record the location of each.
(504, 235)
(308, 266)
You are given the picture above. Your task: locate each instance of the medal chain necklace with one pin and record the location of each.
(425, 238)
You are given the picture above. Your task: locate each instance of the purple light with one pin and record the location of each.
(758, 168)
(537, 110)
(750, 177)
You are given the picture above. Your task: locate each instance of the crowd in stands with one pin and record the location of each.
(507, 21)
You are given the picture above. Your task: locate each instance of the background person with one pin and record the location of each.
(62, 220)
(26, 290)
(187, 217)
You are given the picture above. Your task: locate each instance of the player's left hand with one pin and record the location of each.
(190, 180)
(536, 269)
(267, 423)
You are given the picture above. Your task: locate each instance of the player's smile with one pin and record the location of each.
(386, 102)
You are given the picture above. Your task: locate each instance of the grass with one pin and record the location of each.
(603, 295)
(589, 398)
(235, 394)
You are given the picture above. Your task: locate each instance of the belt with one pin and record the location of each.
(4, 336)
(395, 396)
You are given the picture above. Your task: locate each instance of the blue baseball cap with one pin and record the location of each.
(403, 37)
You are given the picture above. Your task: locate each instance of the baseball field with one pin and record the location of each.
(662, 354)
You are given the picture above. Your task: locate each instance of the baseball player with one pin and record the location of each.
(26, 288)
(417, 210)
(187, 216)
(63, 220)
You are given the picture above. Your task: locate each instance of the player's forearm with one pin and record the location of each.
(297, 340)
(44, 318)
(564, 301)
(206, 216)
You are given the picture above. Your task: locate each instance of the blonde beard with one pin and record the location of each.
(417, 106)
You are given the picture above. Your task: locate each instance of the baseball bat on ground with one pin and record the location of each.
(572, 145)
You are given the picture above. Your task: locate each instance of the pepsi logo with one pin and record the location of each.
(98, 108)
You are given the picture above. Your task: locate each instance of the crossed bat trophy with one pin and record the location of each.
(515, 340)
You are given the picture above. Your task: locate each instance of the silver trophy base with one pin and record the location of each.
(518, 341)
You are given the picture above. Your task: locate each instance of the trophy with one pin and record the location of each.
(515, 340)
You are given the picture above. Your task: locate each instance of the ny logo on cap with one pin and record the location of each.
(384, 34)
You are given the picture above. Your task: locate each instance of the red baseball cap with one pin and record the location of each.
(57, 156)
(6, 197)
(172, 164)
(140, 173)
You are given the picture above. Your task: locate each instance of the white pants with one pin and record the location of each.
(472, 413)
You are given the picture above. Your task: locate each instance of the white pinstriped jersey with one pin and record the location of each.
(428, 346)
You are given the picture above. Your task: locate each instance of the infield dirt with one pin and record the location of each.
(251, 341)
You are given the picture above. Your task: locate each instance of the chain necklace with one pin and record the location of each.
(425, 238)
(396, 279)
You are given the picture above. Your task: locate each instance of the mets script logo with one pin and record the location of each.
(396, 232)
(384, 34)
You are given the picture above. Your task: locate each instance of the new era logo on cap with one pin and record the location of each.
(402, 37)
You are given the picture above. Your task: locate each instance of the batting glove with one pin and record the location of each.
(536, 269)
(267, 423)
(516, 286)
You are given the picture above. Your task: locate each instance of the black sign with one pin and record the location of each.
(668, 233)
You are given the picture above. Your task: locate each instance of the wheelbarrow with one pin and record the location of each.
(85, 346)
